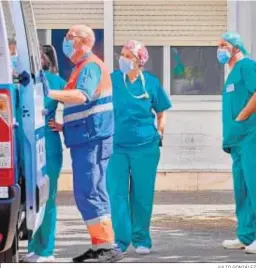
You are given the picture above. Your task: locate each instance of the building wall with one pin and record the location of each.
(63, 14)
(193, 133)
(169, 22)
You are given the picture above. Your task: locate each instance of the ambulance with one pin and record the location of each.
(24, 185)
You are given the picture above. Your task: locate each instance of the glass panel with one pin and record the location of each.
(154, 64)
(42, 35)
(8, 21)
(50, 52)
(11, 36)
(31, 36)
(195, 71)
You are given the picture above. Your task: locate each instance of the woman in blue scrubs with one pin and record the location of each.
(137, 97)
(239, 135)
(41, 247)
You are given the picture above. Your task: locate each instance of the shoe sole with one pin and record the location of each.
(46, 262)
(143, 253)
(249, 252)
(116, 259)
(242, 248)
(51, 261)
(237, 248)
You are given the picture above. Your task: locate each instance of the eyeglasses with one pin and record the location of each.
(71, 37)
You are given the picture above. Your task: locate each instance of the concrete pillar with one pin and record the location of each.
(241, 17)
(244, 13)
(253, 32)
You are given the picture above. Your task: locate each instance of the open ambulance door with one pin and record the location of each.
(31, 102)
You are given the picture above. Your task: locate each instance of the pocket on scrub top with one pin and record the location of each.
(237, 131)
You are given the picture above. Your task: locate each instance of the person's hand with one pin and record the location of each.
(55, 126)
(241, 118)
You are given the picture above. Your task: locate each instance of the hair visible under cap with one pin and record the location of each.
(86, 31)
(235, 40)
(46, 61)
(12, 41)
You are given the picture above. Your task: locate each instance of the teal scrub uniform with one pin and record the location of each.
(132, 168)
(43, 242)
(239, 139)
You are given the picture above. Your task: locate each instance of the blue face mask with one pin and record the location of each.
(67, 47)
(14, 60)
(125, 65)
(223, 55)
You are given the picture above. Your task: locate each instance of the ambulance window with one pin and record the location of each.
(33, 45)
(12, 46)
(8, 21)
(51, 53)
(10, 29)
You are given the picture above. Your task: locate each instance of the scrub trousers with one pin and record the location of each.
(131, 183)
(89, 163)
(43, 242)
(244, 177)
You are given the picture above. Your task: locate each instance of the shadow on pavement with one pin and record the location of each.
(170, 246)
(174, 240)
(172, 198)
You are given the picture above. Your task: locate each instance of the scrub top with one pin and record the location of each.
(14, 62)
(135, 118)
(53, 141)
(238, 89)
(89, 79)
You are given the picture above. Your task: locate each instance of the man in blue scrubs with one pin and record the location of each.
(239, 135)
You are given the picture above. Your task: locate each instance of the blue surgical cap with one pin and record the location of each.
(235, 40)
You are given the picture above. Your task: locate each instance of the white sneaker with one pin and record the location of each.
(233, 244)
(251, 249)
(29, 255)
(40, 259)
(142, 250)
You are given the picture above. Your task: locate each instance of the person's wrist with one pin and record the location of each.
(49, 94)
(161, 133)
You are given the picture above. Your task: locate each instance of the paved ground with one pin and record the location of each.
(186, 227)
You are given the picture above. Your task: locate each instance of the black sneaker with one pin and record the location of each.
(110, 255)
(88, 255)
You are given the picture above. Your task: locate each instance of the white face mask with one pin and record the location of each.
(68, 47)
(126, 65)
